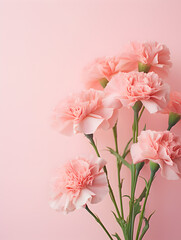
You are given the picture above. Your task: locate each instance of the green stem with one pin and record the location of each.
(126, 151)
(99, 221)
(90, 137)
(142, 110)
(119, 165)
(134, 178)
(131, 212)
(169, 128)
(144, 204)
(136, 125)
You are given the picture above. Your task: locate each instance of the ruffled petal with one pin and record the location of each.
(88, 125)
(83, 198)
(169, 172)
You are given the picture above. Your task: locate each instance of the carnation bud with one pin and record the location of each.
(139, 166)
(142, 67)
(173, 119)
(103, 82)
(137, 106)
(154, 167)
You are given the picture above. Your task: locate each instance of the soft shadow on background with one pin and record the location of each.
(44, 46)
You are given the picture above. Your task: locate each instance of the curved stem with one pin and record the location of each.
(90, 137)
(134, 178)
(142, 110)
(99, 221)
(144, 205)
(119, 165)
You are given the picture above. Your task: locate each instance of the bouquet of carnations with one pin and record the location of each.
(134, 79)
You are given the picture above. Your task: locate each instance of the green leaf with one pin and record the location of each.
(126, 148)
(137, 208)
(146, 183)
(123, 224)
(117, 236)
(119, 157)
(126, 196)
(142, 195)
(126, 153)
(146, 227)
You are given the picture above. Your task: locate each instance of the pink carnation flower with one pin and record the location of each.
(85, 112)
(138, 86)
(78, 182)
(101, 68)
(174, 104)
(154, 54)
(163, 148)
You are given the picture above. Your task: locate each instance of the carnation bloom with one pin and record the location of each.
(84, 112)
(138, 86)
(153, 54)
(100, 69)
(163, 148)
(174, 104)
(79, 181)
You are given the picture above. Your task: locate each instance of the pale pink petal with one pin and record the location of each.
(100, 163)
(112, 102)
(112, 121)
(174, 104)
(136, 153)
(89, 124)
(100, 180)
(169, 173)
(83, 198)
(104, 113)
(99, 188)
(151, 106)
(100, 193)
(163, 148)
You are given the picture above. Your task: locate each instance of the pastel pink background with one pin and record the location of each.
(43, 47)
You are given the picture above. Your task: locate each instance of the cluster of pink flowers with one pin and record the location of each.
(82, 180)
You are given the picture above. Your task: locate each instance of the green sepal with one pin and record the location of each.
(139, 166)
(142, 195)
(142, 67)
(154, 167)
(137, 106)
(103, 82)
(174, 118)
(89, 136)
(117, 236)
